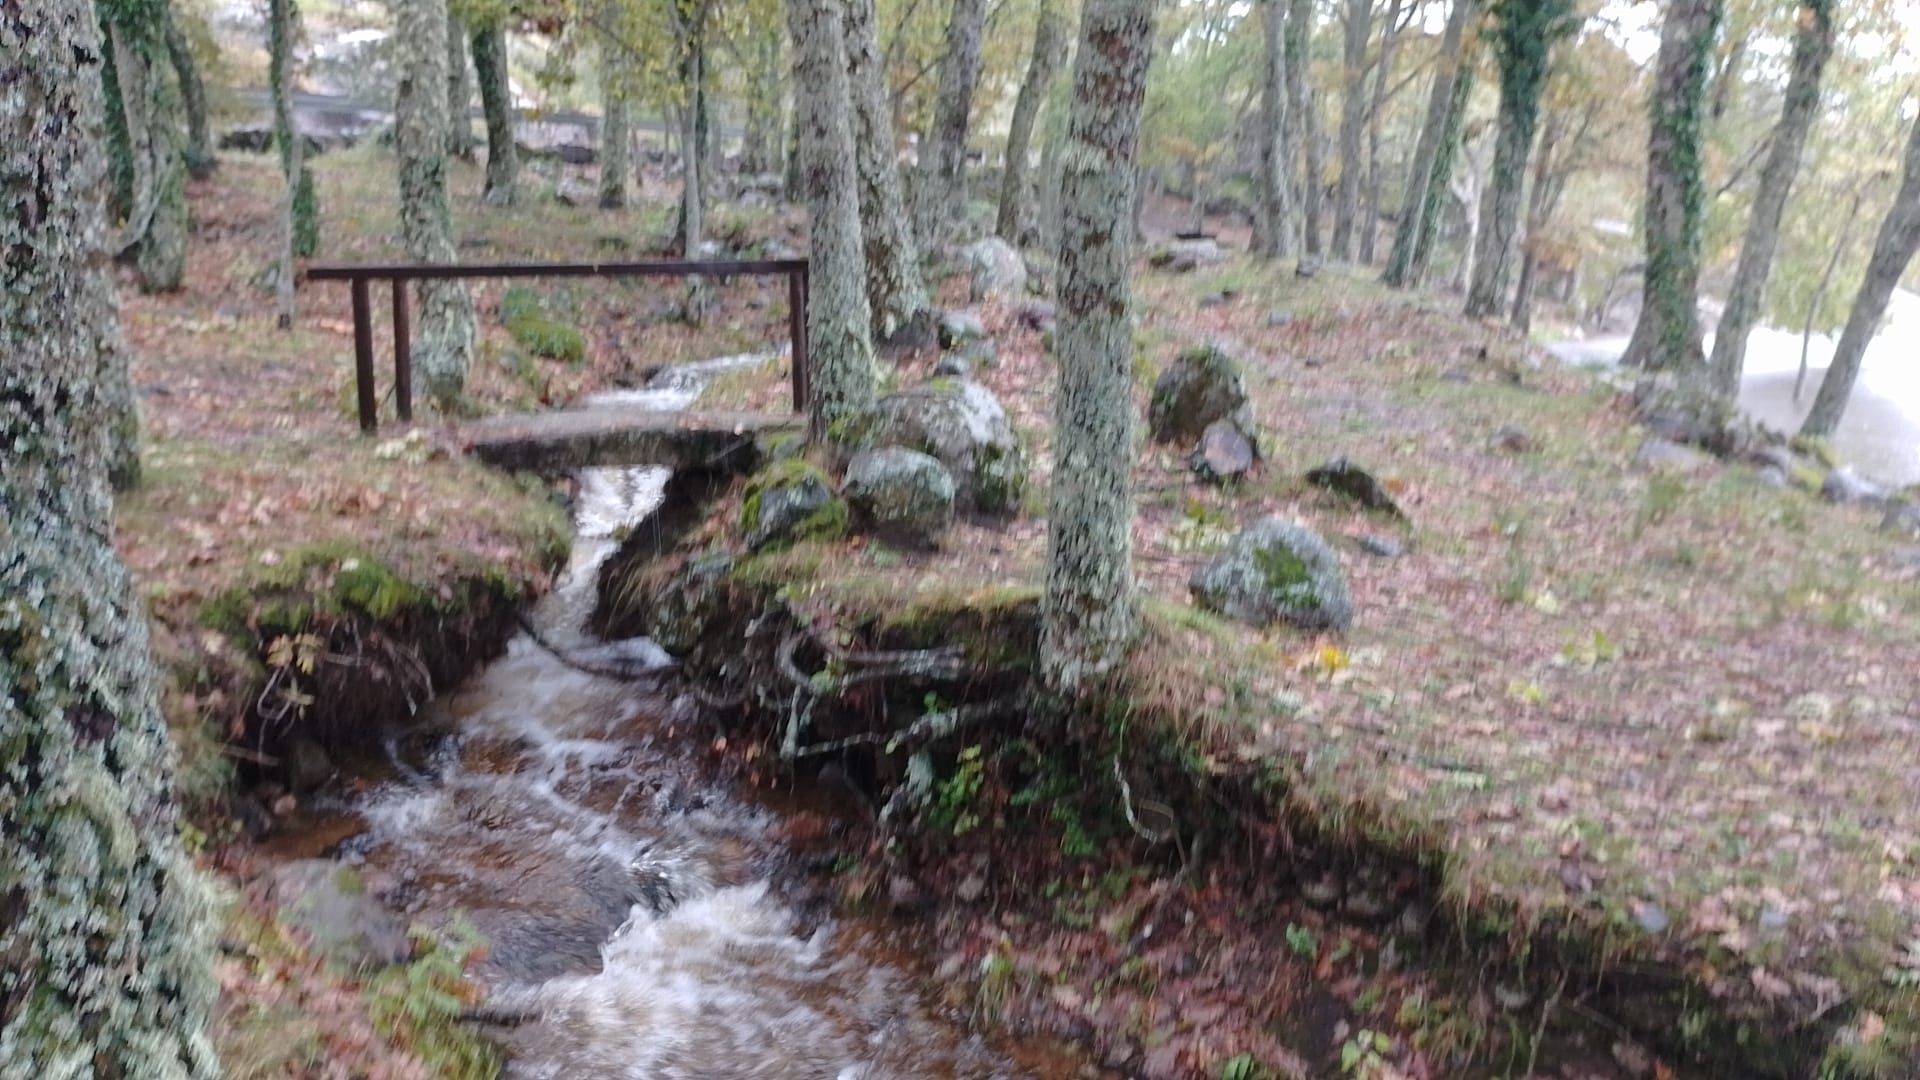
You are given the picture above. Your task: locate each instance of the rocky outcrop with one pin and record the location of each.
(995, 270)
(1185, 256)
(1276, 571)
(900, 495)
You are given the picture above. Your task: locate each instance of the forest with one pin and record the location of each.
(890, 539)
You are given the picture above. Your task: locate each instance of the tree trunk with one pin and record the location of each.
(1049, 48)
(1892, 250)
(198, 153)
(1414, 204)
(106, 928)
(1353, 115)
(793, 182)
(459, 92)
(1050, 151)
(1667, 336)
(1440, 184)
(443, 347)
(1369, 224)
(1303, 127)
(1088, 614)
(941, 194)
(690, 39)
(616, 141)
(302, 203)
(119, 141)
(896, 292)
(1524, 41)
(496, 100)
(1275, 230)
(156, 228)
(760, 149)
(840, 353)
(1812, 45)
(1825, 286)
(1542, 202)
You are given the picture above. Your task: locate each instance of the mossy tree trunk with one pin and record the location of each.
(157, 221)
(1667, 336)
(1812, 45)
(1303, 121)
(616, 140)
(1275, 230)
(1014, 221)
(443, 346)
(1525, 33)
(941, 189)
(459, 91)
(1088, 614)
(896, 291)
(1893, 249)
(842, 376)
(106, 930)
(302, 202)
(1414, 204)
(198, 152)
(496, 100)
(1353, 119)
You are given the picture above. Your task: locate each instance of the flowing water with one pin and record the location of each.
(634, 909)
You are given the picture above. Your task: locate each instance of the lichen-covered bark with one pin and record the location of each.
(896, 291)
(1523, 42)
(1353, 118)
(693, 159)
(1812, 45)
(105, 929)
(616, 141)
(459, 91)
(198, 152)
(1302, 121)
(839, 350)
(119, 145)
(1088, 615)
(157, 222)
(941, 193)
(1667, 336)
(1049, 48)
(1275, 230)
(1893, 249)
(1426, 152)
(496, 100)
(443, 345)
(302, 202)
(1452, 134)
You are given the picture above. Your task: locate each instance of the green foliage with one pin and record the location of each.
(1245, 1067)
(1364, 1055)
(527, 320)
(420, 1006)
(306, 216)
(954, 808)
(1302, 941)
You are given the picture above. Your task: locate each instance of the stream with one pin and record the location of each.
(634, 908)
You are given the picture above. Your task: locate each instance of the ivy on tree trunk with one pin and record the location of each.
(106, 930)
(1088, 614)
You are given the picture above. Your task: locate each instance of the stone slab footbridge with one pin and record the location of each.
(566, 439)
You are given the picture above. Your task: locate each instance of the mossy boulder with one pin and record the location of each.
(901, 495)
(1276, 571)
(690, 600)
(527, 320)
(1201, 386)
(791, 500)
(963, 426)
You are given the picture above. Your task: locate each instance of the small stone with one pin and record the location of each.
(1308, 267)
(1413, 921)
(1664, 455)
(285, 805)
(953, 366)
(1380, 546)
(1278, 319)
(790, 501)
(1218, 299)
(1844, 486)
(971, 888)
(1902, 517)
(906, 896)
(1314, 362)
(1773, 920)
(981, 353)
(1321, 893)
(1511, 998)
(1365, 905)
(1513, 440)
(1224, 453)
(1651, 917)
(1773, 477)
(956, 328)
(1346, 478)
(1456, 375)
(308, 765)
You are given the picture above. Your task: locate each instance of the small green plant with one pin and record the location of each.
(1302, 941)
(1365, 1054)
(1664, 493)
(1516, 585)
(1245, 1067)
(538, 332)
(953, 799)
(420, 1006)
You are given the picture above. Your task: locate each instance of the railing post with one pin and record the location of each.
(797, 327)
(402, 353)
(363, 356)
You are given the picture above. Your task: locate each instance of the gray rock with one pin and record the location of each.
(787, 502)
(1278, 319)
(1380, 546)
(1652, 918)
(1276, 571)
(959, 327)
(1680, 412)
(953, 366)
(963, 426)
(1346, 478)
(1902, 517)
(1224, 453)
(1309, 266)
(996, 271)
(572, 192)
(900, 494)
(692, 598)
(1772, 476)
(1202, 385)
(1843, 485)
(1218, 299)
(329, 905)
(307, 764)
(1185, 256)
(1657, 454)
(981, 353)
(1514, 440)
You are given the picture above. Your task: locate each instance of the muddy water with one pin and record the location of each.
(634, 910)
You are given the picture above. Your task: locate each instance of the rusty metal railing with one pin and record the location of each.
(360, 277)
